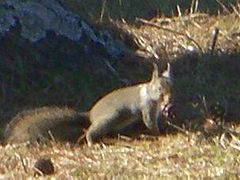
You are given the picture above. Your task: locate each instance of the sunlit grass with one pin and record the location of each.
(170, 156)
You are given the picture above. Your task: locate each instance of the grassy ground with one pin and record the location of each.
(171, 157)
(204, 142)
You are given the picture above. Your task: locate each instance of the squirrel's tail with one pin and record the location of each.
(83, 115)
(33, 124)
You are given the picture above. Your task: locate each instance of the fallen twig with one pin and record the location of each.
(172, 31)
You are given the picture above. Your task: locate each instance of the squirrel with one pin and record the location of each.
(33, 124)
(110, 114)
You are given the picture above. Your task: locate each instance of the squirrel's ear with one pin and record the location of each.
(167, 73)
(155, 72)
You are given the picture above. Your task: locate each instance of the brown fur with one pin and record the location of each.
(32, 124)
(124, 106)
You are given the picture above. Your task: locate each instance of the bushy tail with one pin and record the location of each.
(33, 124)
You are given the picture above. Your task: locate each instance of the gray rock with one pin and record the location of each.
(37, 17)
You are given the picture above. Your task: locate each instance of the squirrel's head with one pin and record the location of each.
(160, 85)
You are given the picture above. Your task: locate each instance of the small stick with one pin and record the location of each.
(194, 6)
(214, 40)
(223, 6)
(103, 10)
(22, 162)
(178, 128)
(51, 136)
(205, 105)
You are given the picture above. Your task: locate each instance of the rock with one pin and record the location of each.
(43, 166)
(37, 18)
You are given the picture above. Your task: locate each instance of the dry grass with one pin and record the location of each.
(171, 37)
(171, 156)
